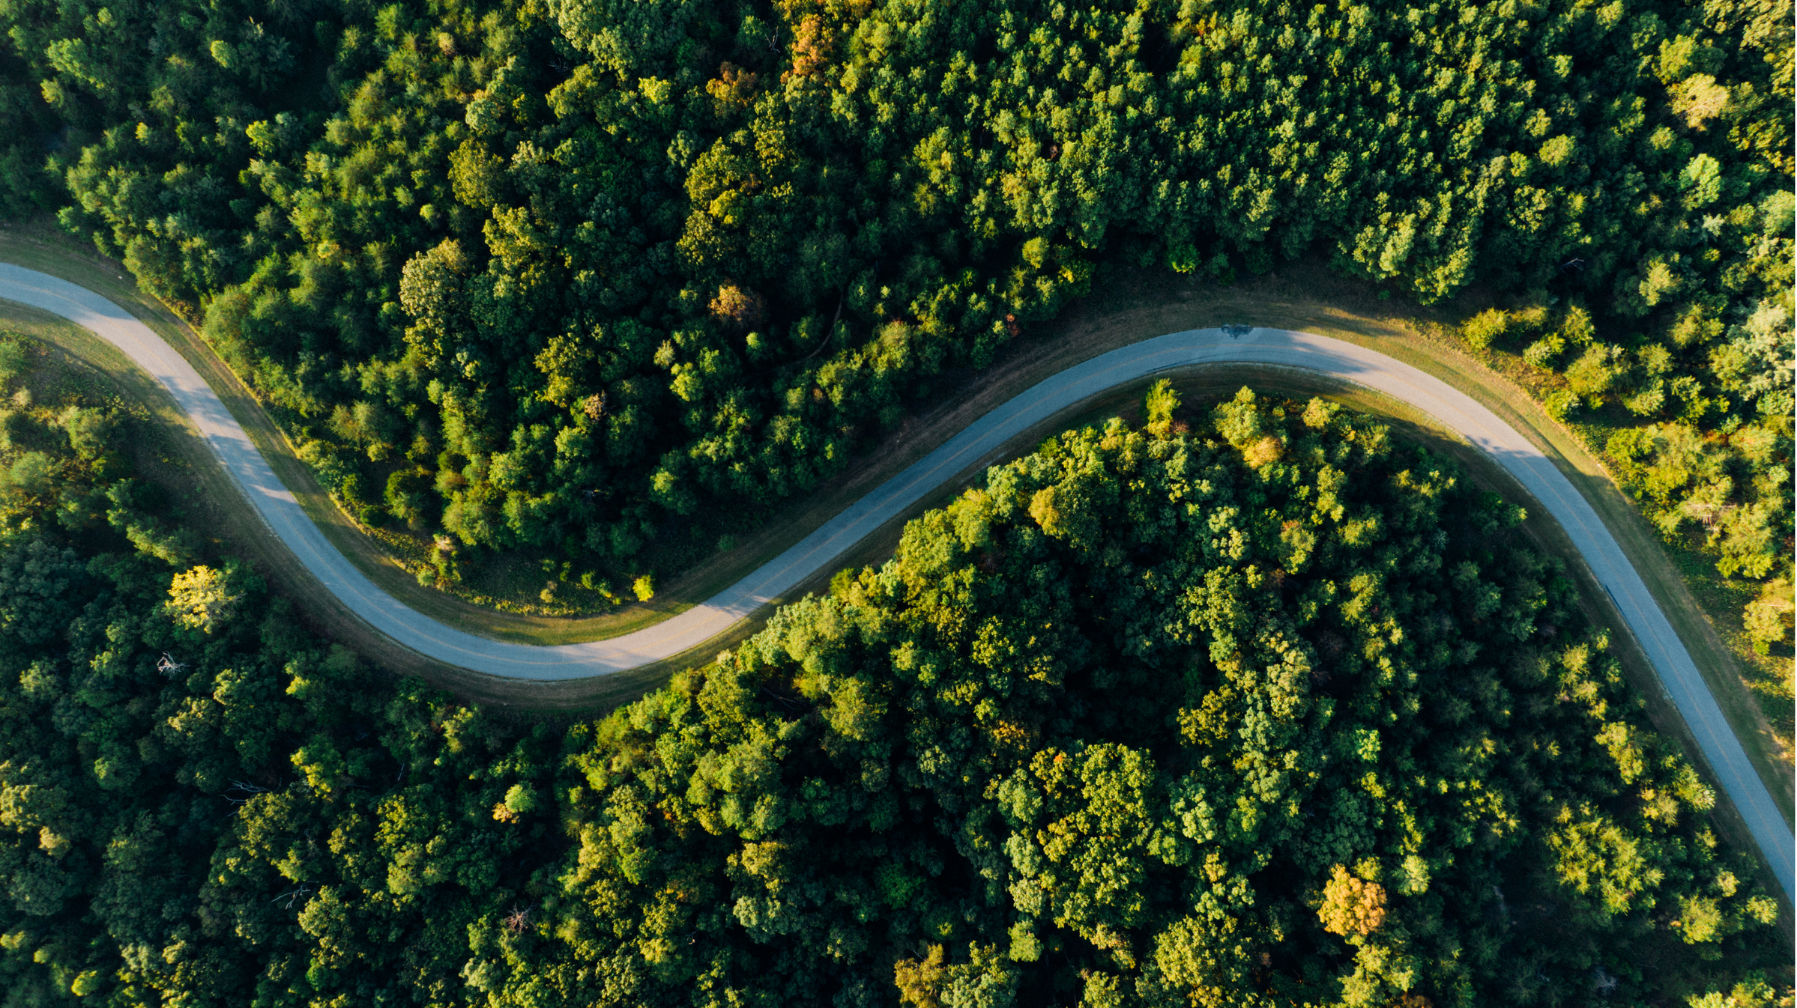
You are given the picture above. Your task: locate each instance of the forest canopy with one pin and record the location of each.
(1314, 726)
(1250, 704)
(563, 276)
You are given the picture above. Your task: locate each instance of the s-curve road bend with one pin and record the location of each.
(1230, 345)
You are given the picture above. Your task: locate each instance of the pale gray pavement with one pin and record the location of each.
(1454, 409)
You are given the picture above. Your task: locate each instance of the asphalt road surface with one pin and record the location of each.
(1233, 345)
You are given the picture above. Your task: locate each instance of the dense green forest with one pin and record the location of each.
(1250, 705)
(1314, 726)
(557, 275)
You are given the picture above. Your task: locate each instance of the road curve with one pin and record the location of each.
(1239, 345)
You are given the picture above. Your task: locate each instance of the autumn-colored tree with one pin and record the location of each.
(202, 598)
(1351, 906)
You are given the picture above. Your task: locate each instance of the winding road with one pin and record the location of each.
(1232, 345)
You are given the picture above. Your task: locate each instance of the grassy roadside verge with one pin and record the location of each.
(1128, 309)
